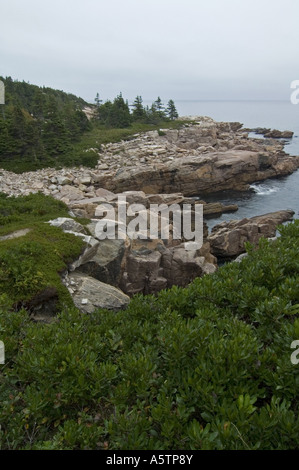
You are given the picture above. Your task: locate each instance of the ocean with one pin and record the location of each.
(267, 196)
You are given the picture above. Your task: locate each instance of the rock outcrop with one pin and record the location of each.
(204, 156)
(273, 133)
(133, 265)
(228, 238)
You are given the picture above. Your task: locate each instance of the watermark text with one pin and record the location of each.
(295, 93)
(160, 221)
(2, 353)
(2, 92)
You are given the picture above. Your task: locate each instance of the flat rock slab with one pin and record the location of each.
(91, 294)
(16, 234)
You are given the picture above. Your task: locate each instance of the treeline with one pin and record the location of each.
(117, 113)
(42, 127)
(39, 122)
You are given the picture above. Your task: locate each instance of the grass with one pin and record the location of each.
(32, 263)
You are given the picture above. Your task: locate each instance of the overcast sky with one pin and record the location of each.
(180, 49)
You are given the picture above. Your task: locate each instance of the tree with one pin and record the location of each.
(171, 110)
(97, 100)
(119, 113)
(56, 137)
(138, 109)
(159, 108)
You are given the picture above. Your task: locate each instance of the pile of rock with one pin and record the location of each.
(204, 156)
(109, 271)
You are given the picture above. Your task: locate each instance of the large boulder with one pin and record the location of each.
(203, 173)
(181, 266)
(106, 262)
(90, 294)
(228, 239)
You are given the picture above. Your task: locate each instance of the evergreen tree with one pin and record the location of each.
(159, 108)
(97, 100)
(119, 114)
(139, 113)
(56, 137)
(4, 138)
(171, 110)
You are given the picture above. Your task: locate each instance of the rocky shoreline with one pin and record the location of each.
(204, 156)
(165, 167)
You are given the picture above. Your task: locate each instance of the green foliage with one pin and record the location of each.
(116, 114)
(171, 110)
(41, 127)
(205, 367)
(31, 263)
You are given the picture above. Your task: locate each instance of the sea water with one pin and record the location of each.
(267, 196)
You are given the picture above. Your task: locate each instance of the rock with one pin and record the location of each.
(214, 208)
(16, 234)
(104, 193)
(63, 180)
(143, 274)
(67, 225)
(103, 166)
(240, 258)
(84, 180)
(228, 238)
(70, 193)
(204, 156)
(180, 266)
(272, 133)
(106, 263)
(150, 271)
(135, 197)
(91, 294)
(279, 134)
(89, 251)
(199, 174)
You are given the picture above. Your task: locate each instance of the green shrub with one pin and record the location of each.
(205, 367)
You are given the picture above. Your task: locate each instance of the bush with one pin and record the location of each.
(204, 367)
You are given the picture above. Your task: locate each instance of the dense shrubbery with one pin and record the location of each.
(205, 367)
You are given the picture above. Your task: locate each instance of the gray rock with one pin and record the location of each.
(106, 263)
(66, 224)
(228, 238)
(91, 294)
(240, 258)
(16, 234)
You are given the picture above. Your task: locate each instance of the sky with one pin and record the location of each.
(175, 49)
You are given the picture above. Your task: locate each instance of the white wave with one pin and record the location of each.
(263, 190)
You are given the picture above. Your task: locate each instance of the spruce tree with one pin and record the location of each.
(171, 110)
(97, 100)
(159, 108)
(138, 109)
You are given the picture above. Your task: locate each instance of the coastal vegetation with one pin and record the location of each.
(207, 366)
(30, 264)
(202, 367)
(41, 127)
